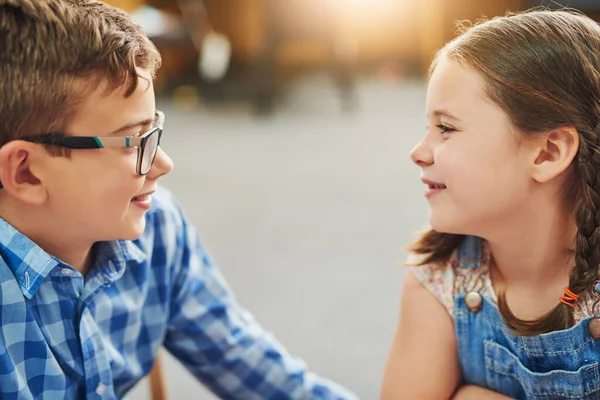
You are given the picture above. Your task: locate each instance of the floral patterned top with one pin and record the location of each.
(447, 279)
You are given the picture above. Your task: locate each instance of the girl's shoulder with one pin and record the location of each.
(437, 278)
(466, 269)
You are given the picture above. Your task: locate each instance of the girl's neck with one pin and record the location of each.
(541, 259)
(534, 246)
(531, 263)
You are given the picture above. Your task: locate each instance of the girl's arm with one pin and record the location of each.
(423, 362)
(470, 392)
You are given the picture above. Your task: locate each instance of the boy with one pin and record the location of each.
(98, 267)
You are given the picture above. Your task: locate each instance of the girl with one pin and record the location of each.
(501, 301)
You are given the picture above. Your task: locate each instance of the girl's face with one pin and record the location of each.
(476, 177)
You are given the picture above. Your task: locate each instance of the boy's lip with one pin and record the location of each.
(143, 201)
(144, 194)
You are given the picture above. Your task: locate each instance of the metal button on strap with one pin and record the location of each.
(594, 328)
(473, 301)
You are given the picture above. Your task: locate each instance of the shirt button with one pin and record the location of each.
(473, 301)
(100, 389)
(67, 271)
(594, 328)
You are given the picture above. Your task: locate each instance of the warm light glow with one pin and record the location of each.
(366, 3)
(370, 2)
(367, 7)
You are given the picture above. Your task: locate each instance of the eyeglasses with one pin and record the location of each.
(147, 143)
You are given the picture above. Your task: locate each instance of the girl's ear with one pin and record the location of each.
(553, 152)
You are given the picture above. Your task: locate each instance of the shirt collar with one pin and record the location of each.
(30, 264)
(112, 258)
(27, 261)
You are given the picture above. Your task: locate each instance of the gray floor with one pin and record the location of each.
(307, 214)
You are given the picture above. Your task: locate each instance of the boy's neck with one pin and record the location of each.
(72, 251)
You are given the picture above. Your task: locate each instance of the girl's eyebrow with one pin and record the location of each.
(444, 113)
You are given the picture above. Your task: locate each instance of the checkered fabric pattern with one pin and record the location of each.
(64, 336)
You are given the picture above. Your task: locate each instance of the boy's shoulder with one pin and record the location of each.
(164, 202)
(167, 227)
(165, 215)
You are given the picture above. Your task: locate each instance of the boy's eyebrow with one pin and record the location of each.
(444, 113)
(129, 126)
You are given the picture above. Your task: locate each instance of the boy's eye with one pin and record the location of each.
(444, 128)
(139, 132)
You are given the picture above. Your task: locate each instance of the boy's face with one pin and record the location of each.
(96, 192)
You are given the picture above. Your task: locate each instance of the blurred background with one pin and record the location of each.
(290, 124)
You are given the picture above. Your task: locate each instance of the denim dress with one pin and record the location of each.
(556, 365)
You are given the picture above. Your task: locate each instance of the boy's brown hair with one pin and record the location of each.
(53, 53)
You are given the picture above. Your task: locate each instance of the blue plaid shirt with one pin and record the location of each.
(64, 336)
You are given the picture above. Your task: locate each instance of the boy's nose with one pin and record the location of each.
(162, 165)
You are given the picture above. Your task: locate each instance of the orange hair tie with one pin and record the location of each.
(569, 297)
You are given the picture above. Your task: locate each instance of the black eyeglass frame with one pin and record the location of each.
(101, 142)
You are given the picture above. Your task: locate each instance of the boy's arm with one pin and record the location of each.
(221, 343)
(470, 392)
(423, 362)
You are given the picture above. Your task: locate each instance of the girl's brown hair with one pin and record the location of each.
(543, 69)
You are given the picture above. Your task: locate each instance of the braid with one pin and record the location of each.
(587, 257)
(587, 251)
(521, 59)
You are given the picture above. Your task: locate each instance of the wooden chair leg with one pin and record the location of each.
(157, 383)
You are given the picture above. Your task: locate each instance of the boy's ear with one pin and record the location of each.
(554, 152)
(20, 171)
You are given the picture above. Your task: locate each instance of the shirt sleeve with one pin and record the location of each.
(439, 280)
(222, 345)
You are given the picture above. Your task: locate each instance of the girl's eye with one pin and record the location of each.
(445, 129)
